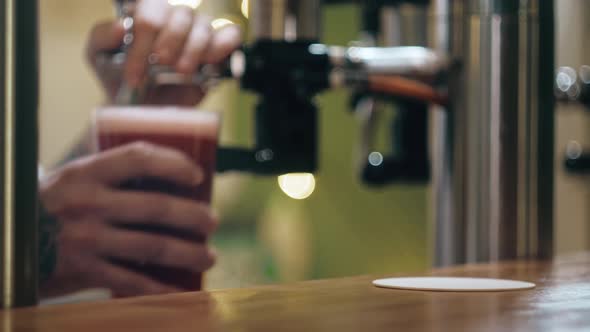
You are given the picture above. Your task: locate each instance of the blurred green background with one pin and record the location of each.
(342, 229)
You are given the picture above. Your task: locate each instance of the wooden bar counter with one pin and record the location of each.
(561, 302)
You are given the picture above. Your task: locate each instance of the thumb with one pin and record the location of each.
(105, 36)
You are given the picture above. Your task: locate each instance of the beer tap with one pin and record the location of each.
(492, 143)
(407, 160)
(112, 63)
(287, 69)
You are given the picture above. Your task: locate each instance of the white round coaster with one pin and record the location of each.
(451, 284)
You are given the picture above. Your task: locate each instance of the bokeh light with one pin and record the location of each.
(297, 185)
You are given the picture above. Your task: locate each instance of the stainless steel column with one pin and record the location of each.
(18, 152)
(404, 25)
(493, 152)
(285, 19)
(446, 35)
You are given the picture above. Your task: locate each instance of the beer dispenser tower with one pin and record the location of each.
(492, 140)
(493, 148)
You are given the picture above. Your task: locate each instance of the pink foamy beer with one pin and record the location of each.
(194, 133)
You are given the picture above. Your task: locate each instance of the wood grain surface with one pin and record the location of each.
(561, 302)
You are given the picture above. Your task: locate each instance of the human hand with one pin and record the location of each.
(177, 35)
(98, 221)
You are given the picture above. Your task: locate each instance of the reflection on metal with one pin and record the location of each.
(375, 158)
(220, 23)
(245, 8)
(18, 152)
(572, 85)
(7, 156)
(193, 4)
(408, 60)
(493, 151)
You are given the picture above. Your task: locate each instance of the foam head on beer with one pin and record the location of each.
(158, 121)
